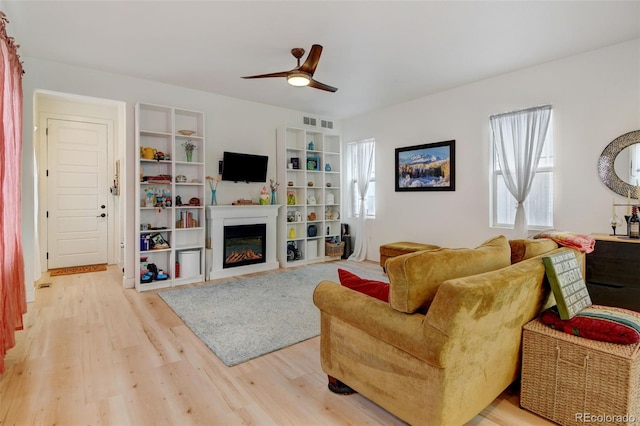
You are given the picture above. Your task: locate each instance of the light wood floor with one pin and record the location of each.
(95, 354)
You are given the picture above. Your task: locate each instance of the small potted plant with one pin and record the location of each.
(189, 146)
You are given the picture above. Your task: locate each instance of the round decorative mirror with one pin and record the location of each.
(627, 164)
(622, 185)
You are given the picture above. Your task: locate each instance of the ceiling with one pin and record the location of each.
(378, 53)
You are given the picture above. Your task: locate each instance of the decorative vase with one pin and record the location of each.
(189, 156)
(273, 197)
(214, 201)
(626, 221)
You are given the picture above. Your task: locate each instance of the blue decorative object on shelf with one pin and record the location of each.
(327, 167)
(311, 146)
(214, 201)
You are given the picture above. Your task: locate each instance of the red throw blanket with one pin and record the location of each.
(580, 242)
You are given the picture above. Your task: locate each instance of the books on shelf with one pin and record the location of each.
(187, 221)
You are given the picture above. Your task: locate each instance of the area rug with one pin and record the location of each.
(77, 269)
(243, 319)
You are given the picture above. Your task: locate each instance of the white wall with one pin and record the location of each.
(595, 98)
(231, 125)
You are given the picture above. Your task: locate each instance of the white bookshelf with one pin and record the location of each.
(159, 130)
(311, 195)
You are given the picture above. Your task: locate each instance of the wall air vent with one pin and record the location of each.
(326, 124)
(309, 121)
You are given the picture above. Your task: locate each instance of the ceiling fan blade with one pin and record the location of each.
(322, 86)
(274, 74)
(311, 62)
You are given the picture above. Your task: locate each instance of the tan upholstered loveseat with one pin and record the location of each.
(445, 366)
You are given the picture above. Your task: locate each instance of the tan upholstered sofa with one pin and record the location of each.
(448, 342)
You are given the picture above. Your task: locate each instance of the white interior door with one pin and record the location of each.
(78, 193)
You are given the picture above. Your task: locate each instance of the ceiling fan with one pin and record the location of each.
(302, 75)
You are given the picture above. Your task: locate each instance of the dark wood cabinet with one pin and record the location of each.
(613, 272)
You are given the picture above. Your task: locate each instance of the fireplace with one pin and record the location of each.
(221, 217)
(244, 245)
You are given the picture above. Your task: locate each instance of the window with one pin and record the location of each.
(352, 181)
(538, 206)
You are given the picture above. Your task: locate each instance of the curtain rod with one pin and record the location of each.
(502, 114)
(11, 42)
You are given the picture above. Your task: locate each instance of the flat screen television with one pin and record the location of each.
(239, 167)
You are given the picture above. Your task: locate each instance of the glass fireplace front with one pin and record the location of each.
(244, 245)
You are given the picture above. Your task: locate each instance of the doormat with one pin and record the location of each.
(77, 269)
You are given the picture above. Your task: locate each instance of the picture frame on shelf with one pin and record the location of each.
(158, 242)
(313, 163)
(296, 163)
(426, 167)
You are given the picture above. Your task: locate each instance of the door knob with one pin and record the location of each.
(102, 215)
(103, 206)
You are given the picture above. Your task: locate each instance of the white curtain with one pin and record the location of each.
(364, 151)
(518, 139)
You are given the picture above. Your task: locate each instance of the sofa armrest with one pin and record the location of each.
(407, 332)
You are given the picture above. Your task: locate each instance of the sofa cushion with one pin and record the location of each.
(401, 247)
(373, 288)
(527, 248)
(604, 323)
(414, 278)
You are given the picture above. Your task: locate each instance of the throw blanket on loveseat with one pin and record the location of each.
(580, 242)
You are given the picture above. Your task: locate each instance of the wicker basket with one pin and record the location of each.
(572, 380)
(334, 250)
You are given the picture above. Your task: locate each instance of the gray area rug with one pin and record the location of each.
(242, 319)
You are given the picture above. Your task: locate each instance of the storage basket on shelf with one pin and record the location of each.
(333, 250)
(572, 380)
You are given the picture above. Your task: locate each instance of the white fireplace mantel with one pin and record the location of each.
(220, 216)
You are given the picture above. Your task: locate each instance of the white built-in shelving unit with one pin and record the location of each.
(308, 170)
(160, 134)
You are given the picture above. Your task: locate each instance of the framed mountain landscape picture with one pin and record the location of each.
(428, 167)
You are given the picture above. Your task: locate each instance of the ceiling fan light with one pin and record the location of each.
(298, 79)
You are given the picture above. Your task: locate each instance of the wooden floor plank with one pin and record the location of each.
(93, 353)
